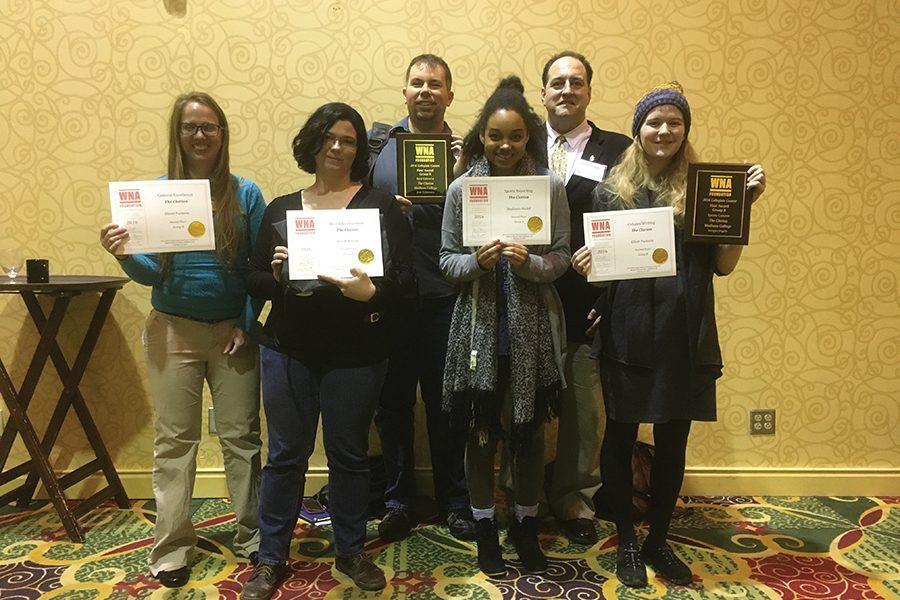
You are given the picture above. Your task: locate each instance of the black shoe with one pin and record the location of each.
(580, 531)
(490, 559)
(525, 540)
(664, 561)
(262, 582)
(175, 578)
(630, 568)
(364, 573)
(461, 524)
(396, 524)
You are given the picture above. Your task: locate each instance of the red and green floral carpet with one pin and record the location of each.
(737, 547)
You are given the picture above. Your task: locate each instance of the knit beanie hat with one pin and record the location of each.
(666, 93)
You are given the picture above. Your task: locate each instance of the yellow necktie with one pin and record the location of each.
(558, 158)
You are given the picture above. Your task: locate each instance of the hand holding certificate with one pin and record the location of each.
(630, 244)
(509, 209)
(163, 215)
(332, 242)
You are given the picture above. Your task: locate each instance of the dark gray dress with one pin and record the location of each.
(657, 343)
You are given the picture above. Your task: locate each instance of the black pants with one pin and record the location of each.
(418, 353)
(666, 475)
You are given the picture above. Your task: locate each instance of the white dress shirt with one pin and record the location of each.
(576, 140)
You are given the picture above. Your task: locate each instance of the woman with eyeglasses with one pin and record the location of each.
(324, 352)
(198, 330)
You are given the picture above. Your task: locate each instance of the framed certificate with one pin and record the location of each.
(511, 209)
(717, 206)
(163, 215)
(331, 242)
(424, 166)
(630, 244)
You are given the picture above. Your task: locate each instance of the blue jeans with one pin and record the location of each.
(418, 352)
(293, 396)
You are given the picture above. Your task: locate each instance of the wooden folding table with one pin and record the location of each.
(61, 288)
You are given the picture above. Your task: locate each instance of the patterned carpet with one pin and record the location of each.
(737, 547)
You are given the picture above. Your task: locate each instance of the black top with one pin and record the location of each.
(576, 294)
(326, 328)
(658, 339)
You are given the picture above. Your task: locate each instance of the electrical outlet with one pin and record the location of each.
(762, 421)
(211, 414)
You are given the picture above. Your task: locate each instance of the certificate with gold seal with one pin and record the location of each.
(424, 166)
(630, 244)
(511, 209)
(163, 215)
(331, 242)
(717, 206)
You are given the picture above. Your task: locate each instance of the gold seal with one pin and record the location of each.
(365, 256)
(535, 224)
(660, 256)
(196, 228)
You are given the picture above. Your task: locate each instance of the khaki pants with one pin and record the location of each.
(576, 473)
(181, 354)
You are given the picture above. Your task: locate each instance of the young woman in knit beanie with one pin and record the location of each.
(504, 359)
(659, 357)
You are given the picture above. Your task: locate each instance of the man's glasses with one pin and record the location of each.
(208, 129)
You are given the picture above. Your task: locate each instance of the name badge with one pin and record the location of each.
(589, 170)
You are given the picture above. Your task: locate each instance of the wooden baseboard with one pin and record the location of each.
(838, 481)
(698, 481)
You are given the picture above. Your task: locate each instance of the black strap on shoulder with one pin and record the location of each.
(378, 138)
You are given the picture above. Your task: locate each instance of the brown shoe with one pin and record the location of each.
(364, 573)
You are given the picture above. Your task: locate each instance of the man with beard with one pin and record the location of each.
(419, 336)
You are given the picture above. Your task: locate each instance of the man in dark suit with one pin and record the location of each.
(582, 155)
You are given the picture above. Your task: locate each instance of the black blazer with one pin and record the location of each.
(577, 295)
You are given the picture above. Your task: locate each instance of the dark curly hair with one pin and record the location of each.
(509, 95)
(308, 141)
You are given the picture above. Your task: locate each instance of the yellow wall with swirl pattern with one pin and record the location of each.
(810, 323)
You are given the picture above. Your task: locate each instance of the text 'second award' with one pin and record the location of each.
(424, 166)
(331, 242)
(511, 209)
(163, 215)
(630, 244)
(717, 206)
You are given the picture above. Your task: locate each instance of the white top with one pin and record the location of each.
(576, 140)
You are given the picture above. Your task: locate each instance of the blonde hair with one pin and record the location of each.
(632, 174)
(226, 210)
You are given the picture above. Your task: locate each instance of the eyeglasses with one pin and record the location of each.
(208, 129)
(328, 141)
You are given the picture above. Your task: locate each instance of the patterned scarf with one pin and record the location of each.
(471, 372)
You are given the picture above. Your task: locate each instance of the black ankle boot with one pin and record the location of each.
(524, 537)
(490, 559)
(630, 568)
(665, 562)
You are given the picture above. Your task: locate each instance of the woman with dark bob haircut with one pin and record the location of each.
(323, 350)
(308, 142)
